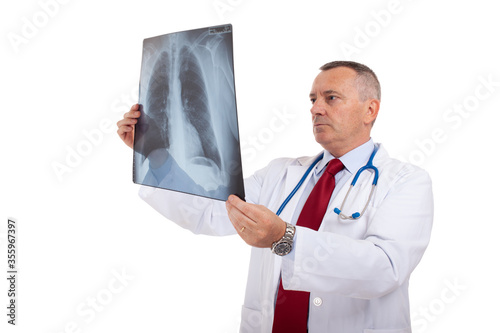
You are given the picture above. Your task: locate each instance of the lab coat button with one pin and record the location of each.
(317, 301)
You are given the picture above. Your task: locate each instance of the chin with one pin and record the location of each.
(322, 138)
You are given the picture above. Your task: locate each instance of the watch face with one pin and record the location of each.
(283, 248)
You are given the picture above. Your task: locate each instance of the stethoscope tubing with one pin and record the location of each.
(369, 166)
(299, 184)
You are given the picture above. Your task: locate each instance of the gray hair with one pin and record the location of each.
(367, 82)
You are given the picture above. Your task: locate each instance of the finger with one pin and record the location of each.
(133, 108)
(234, 216)
(239, 211)
(124, 129)
(250, 211)
(244, 231)
(241, 223)
(132, 114)
(125, 126)
(126, 122)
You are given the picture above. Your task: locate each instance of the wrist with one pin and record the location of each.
(281, 233)
(284, 245)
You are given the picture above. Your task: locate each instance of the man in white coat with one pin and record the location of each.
(355, 271)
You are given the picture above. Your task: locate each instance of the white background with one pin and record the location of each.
(71, 68)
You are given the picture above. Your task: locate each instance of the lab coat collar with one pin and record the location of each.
(357, 158)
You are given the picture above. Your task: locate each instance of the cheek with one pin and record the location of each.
(351, 120)
(324, 134)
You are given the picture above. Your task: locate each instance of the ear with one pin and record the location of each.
(372, 108)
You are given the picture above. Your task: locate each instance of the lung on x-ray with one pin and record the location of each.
(187, 137)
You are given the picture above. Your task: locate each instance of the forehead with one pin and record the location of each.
(338, 79)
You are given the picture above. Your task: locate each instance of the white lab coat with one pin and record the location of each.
(357, 272)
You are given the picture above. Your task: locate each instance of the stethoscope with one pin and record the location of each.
(369, 166)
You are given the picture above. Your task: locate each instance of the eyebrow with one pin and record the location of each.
(326, 92)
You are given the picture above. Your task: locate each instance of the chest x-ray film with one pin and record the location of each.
(186, 138)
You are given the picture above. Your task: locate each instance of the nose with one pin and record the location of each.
(317, 108)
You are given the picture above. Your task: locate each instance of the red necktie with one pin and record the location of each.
(292, 307)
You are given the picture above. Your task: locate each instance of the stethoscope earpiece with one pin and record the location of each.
(344, 217)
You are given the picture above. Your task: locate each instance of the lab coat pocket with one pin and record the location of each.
(251, 320)
(399, 330)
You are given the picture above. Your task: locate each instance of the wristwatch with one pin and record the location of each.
(284, 245)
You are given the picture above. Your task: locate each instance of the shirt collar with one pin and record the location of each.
(353, 160)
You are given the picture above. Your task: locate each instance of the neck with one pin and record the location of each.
(339, 149)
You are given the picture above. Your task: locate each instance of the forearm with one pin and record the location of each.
(329, 262)
(197, 214)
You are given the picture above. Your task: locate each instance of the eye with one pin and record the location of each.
(331, 98)
(313, 100)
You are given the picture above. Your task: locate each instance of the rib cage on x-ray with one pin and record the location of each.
(189, 95)
(187, 91)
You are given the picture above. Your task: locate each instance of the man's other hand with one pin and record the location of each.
(126, 126)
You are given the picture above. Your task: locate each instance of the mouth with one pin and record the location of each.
(316, 121)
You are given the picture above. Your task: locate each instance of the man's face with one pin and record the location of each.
(341, 121)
